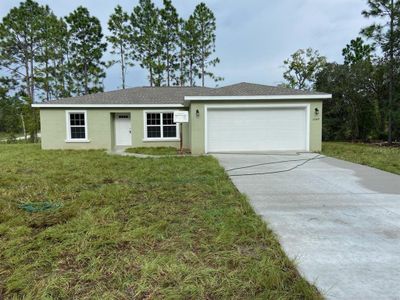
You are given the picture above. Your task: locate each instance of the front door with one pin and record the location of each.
(123, 136)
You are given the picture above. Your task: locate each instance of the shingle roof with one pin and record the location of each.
(137, 95)
(176, 95)
(251, 89)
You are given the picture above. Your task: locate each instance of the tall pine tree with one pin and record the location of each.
(53, 58)
(86, 49)
(169, 38)
(118, 25)
(189, 39)
(21, 43)
(205, 25)
(182, 77)
(145, 37)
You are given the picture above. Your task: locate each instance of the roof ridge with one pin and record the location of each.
(247, 83)
(177, 87)
(272, 87)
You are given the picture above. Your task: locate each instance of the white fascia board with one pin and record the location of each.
(276, 97)
(105, 105)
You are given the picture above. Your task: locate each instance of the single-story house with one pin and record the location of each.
(234, 118)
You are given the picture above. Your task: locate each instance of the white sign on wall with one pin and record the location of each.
(181, 116)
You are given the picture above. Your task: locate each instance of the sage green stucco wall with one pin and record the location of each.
(101, 133)
(315, 126)
(101, 127)
(137, 117)
(54, 130)
(197, 124)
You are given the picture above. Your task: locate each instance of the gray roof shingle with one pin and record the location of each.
(252, 89)
(176, 95)
(137, 95)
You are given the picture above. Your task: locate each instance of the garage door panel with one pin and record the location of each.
(256, 129)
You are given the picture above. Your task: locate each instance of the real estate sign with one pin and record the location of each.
(181, 116)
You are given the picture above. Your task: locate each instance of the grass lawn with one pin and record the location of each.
(384, 158)
(154, 150)
(126, 228)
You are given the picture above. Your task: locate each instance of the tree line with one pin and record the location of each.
(365, 88)
(45, 57)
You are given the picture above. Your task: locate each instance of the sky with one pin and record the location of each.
(254, 37)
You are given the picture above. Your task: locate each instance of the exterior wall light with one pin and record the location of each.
(197, 113)
(316, 111)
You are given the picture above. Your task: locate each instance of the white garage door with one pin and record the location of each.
(256, 129)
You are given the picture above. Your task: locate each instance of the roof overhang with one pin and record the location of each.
(46, 105)
(275, 97)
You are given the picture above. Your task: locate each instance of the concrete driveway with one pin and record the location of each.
(339, 221)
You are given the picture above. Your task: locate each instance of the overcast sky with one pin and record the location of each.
(253, 36)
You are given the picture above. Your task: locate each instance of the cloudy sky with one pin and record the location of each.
(253, 36)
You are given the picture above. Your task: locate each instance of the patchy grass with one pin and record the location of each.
(384, 158)
(125, 228)
(154, 150)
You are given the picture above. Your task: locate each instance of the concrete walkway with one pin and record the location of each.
(120, 150)
(340, 221)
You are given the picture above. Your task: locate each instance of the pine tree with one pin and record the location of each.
(357, 51)
(145, 38)
(52, 58)
(118, 25)
(21, 42)
(205, 26)
(182, 77)
(62, 85)
(86, 50)
(387, 35)
(189, 37)
(169, 29)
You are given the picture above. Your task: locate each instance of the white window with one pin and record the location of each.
(77, 126)
(160, 125)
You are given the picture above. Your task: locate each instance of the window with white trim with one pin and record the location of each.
(76, 125)
(160, 125)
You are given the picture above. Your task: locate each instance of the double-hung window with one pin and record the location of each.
(160, 125)
(76, 126)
